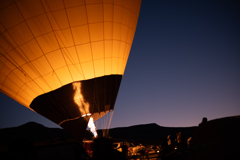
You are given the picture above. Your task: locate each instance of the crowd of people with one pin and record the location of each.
(103, 147)
(178, 142)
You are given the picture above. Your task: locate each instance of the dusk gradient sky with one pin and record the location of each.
(184, 65)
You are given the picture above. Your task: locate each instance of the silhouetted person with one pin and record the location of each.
(189, 141)
(165, 149)
(204, 121)
(179, 137)
(181, 142)
(103, 150)
(124, 150)
(175, 140)
(169, 141)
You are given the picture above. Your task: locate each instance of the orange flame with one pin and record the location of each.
(83, 106)
(79, 99)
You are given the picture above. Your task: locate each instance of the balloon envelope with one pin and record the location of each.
(64, 59)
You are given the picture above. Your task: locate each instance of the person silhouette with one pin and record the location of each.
(204, 121)
(124, 150)
(169, 141)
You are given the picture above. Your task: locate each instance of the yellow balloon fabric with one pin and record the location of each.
(46, 44)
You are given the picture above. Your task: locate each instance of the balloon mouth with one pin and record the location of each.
(91, 125)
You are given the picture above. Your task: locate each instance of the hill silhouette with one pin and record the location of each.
(149, 133)
(219, 139)
(145, 133)
(31, 131)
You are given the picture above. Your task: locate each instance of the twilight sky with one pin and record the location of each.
(184, 65)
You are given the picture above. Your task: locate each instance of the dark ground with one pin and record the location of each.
(215, 140)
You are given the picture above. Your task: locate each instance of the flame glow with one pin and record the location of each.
(79, 99)
(92, 127)
(83, 106)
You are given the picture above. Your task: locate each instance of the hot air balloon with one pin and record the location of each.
(65, 59)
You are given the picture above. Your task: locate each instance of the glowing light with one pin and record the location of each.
(92, 127)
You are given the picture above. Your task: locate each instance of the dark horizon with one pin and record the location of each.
(184, 65)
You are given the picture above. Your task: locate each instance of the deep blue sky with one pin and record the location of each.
(184, 65)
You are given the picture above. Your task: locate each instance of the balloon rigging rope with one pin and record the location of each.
(103, 122)
(106, 122)
(109, 117)
(109, 122)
